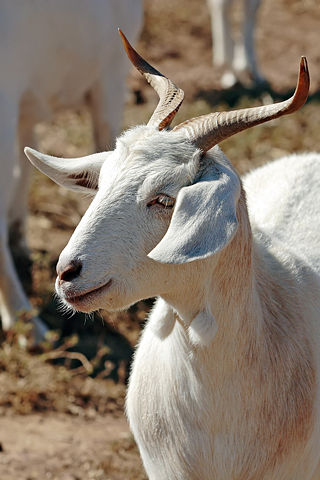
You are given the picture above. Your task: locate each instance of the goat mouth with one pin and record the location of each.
(87, 296)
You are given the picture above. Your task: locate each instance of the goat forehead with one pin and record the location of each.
(144, 156)
(160, 176)
(147, 145)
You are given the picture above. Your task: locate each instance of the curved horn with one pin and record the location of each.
(170, 95)
(209, 130)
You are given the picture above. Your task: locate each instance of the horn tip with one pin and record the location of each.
(304, 63)
(123, 37)
(304, 73)
(28, 151)
(132, 54)
(31, 154)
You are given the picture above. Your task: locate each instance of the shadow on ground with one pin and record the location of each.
(234, 95)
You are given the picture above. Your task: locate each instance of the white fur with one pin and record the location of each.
(54, 53)
(225, 380)
(292, 189)
(237, 57)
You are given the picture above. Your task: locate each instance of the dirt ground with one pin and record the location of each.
(63, 447)
(68, 426)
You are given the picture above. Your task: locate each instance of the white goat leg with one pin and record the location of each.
(236, 55)
(244, 60)
(77, 52)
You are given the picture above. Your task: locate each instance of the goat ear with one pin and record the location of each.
(204, 219)
(80, 174)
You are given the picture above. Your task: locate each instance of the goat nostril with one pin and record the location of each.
(70, 272)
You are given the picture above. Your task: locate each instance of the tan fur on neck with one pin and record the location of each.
(274, 359)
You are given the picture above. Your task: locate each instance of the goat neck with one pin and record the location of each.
(209, 287)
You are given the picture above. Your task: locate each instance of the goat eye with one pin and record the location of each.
(162, 201)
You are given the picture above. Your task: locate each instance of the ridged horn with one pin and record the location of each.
(170, 95)
(209, 130)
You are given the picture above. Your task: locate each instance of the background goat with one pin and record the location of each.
(225, 379)
(53, 54)
(237, 57)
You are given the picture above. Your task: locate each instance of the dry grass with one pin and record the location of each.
(30, 383)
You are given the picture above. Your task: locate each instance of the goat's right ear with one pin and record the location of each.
(80, 174)
(204, 219)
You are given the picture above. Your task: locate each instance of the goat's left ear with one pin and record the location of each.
(80, 174)
(204, 219)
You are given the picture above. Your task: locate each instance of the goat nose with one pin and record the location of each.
(70, 271)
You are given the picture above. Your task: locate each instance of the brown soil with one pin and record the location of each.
(60, 425)
(61, 447)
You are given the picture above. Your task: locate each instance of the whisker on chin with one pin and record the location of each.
(89, 316)
(64, 307)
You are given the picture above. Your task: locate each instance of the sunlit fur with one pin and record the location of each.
(225, 380)
(54, 54)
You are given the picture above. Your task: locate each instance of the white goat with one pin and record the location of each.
(53, 54)
(225, 381)
(237, 57)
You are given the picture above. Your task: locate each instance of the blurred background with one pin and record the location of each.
(61, 405)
